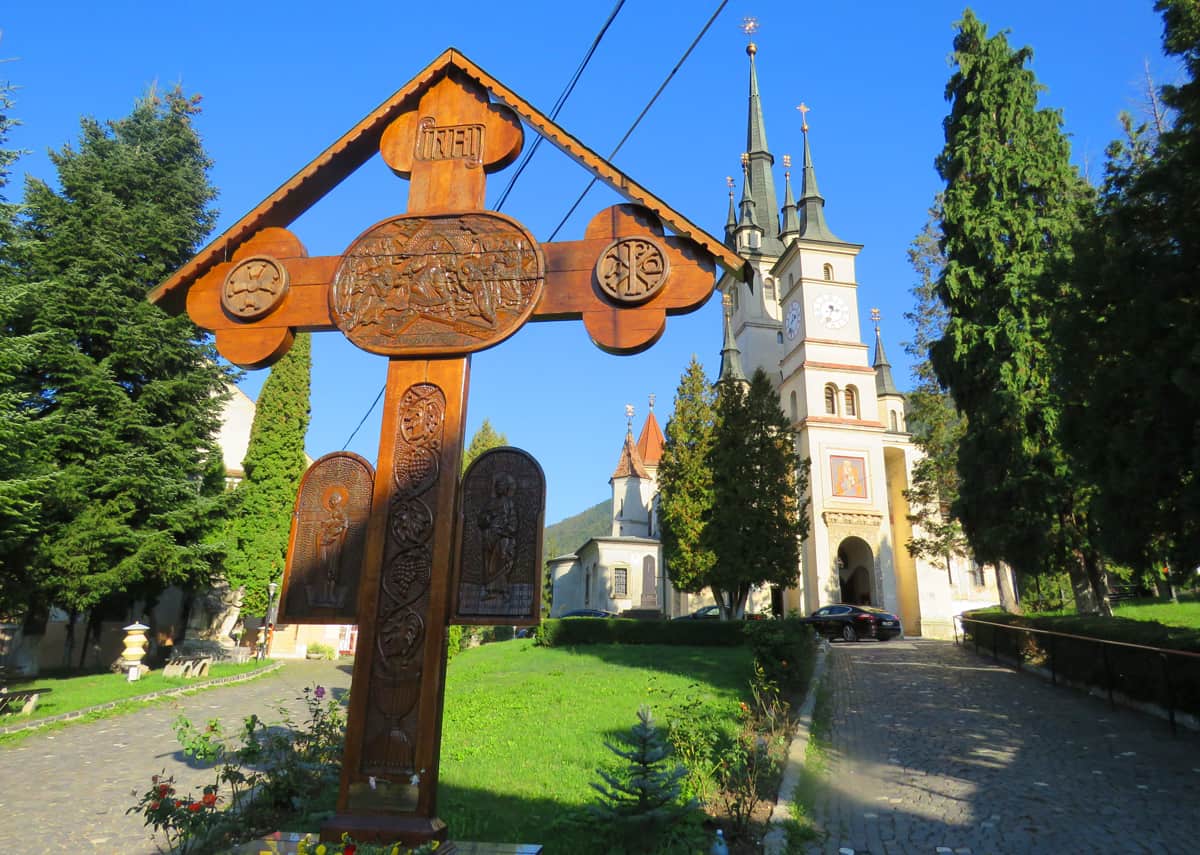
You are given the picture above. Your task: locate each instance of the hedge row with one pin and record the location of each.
(707, 633)
(1166, 680)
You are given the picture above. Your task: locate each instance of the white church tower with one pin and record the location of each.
(801, 324)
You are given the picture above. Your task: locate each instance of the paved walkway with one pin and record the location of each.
(935, 750)
(68, 790)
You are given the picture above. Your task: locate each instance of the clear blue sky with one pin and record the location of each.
(282, 80)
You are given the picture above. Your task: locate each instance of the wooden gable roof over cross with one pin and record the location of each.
(259, 329)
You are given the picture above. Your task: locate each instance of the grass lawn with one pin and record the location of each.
(524, 728)
(1185, 613)
(70, 692)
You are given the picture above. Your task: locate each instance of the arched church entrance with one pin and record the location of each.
(855, 562)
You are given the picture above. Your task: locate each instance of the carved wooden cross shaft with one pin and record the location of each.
(426, 289)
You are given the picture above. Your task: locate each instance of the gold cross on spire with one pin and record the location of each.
(787, 162)
(629, 416)
(804, 108)
(875, 317)
(651, 400)
(729, 182)
(749, 25)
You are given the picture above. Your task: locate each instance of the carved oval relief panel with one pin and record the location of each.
(631, 270)
(445, 284)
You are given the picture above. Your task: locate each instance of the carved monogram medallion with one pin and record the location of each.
(391, 726)
(254, 287)
(329, 532)
(500, 563)
(445, 284)
(632, 269)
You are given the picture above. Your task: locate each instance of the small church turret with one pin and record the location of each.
(632, 488)
(791, 218)
(891, 400)
(812, 203)
(731, 357)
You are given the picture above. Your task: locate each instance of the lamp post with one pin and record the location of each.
(272, 612)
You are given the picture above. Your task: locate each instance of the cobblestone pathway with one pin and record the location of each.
(935, 750)
(67, 790)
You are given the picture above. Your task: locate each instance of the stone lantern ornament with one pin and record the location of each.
(135, 651)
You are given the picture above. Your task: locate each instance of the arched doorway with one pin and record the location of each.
(856, 564)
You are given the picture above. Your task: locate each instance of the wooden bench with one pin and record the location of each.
(22, 700)
(188, 666)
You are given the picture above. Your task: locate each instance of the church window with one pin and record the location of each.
(587, 587)
(769, 288)
(895, 426)
(779, 338)
(828, 271)
(620, 582)
(733, 298)
(791, 280)
(831, 399)
(851, 402)
(795, 411)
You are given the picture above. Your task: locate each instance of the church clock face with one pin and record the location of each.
(832, 310)
(792, 321)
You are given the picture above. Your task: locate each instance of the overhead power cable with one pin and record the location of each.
(642, 115)
(560, 103)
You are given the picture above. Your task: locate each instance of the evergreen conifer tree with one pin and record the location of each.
(754, 525)
(641, 801)
(484, 439)
(1133, 365)
(263, 502)
(1012, 207)
(685, 482)
(124, 400)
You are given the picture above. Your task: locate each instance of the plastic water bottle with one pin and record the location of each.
(719, 847)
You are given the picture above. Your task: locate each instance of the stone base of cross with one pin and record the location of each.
(406, 548)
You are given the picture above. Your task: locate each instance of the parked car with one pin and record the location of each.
(588, 613)
(850, 623)
(714, 613)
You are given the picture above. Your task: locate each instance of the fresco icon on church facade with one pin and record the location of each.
(849, 476)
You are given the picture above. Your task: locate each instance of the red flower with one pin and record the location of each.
(154, 805)
(209, 799)
(163, 790)
(195, 807)
(350, 849)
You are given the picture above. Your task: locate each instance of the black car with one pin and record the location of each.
(588, 613)
(851, 623)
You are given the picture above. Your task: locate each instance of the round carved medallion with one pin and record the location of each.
(445, 284)
(631, 270)
(254, 287)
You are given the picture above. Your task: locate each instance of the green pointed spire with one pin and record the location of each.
(761, 182)
(731, 357)
(884, 384)
(747, 204)
(731, 219)
(812, 203)
(791, 220)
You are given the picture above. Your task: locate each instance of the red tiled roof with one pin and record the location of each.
(630, 462)
(650, 443)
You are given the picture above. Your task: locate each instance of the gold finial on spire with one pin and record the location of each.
(727, 304)
(651, 402)
(804, 108)
(875, 317)
(629, 416)
(745, 159)
(787, 162)
(750, 27)
(729, 183)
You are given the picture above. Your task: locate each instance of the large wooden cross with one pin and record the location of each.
(426, 289)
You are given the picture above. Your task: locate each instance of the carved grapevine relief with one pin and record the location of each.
(632, 269)
(391, 725)
(329, 535)
(254, 287)
(500, 570)
(446, 284)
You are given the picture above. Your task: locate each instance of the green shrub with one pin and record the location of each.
(325, 651)
(689, 633)
(785, 650)
(454, 639)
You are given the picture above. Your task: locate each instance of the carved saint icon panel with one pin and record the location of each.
(500, 543)
(329, 533)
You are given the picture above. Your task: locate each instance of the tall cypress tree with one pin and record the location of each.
(754, 526)
(125, 400)
(1012, 207)
(275, 463)
(1134, 364)
(685, 482)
